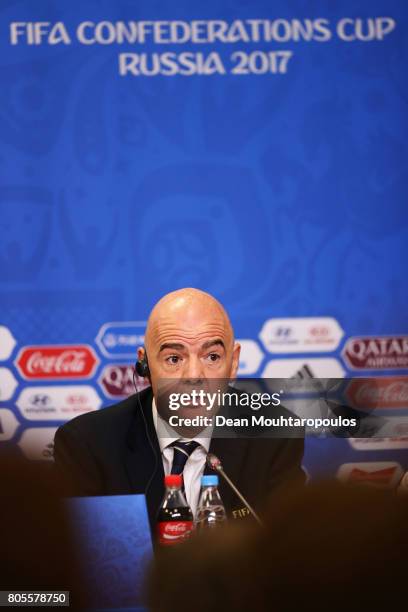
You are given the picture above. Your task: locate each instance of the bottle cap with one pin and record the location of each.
(173, 480)
(209, 481)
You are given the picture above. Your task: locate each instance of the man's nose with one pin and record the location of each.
(193, 371)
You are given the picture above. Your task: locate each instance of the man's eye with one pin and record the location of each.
(173, 359)
(214, 357)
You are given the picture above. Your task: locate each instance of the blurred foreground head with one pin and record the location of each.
(37, 550)
(327, 546)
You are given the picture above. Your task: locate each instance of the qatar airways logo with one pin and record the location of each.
(56, 362)
(387, 352)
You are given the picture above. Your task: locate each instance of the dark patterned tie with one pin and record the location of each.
(182, 451)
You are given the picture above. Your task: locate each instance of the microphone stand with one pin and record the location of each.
(214, 463)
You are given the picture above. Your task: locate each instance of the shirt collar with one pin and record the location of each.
(204, 438)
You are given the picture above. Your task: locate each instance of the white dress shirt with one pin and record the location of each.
(195, 464)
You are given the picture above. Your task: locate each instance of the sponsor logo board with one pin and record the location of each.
(57, 403)
(374, 444)
(8, 424)
(303, 368)
(386, 426)
(56, 362)
(37, 443)
(7, 343)
(376, 353)
(8, 384)
(301, 335)
(121, 339)
(379, 392)
(116, 380)
(385, 474)
(250, 357)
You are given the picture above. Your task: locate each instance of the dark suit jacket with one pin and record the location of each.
(115, 451)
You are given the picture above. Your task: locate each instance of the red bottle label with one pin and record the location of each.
(173, 532)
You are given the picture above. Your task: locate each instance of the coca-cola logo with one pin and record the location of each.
(173, 532)
(385, 392)
(56, 362)
(377, 353)
(175, 528)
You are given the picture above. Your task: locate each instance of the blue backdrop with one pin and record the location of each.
(269, 167)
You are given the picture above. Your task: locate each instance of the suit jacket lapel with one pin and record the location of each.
(143, 462)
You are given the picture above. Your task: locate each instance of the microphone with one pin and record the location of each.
(215, 464)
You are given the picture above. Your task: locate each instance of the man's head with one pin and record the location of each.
(189, 336)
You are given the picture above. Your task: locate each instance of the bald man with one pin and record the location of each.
(122, 449)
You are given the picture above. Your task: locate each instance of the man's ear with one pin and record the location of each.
(142, 366)
(236, 351)
(140, 353)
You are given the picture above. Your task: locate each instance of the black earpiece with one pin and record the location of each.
(142, 367)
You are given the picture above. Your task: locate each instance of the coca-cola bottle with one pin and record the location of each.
(175, 519)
